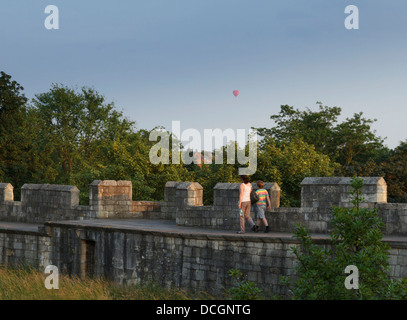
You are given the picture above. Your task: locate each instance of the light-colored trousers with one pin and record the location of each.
(246, 215)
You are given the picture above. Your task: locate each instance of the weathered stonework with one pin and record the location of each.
(177, 242)
(20, 246)
(43, 202)
(175, 259)
(111, 199)
(179, 195)
(226, 195)
(6, 192)
(325, 192)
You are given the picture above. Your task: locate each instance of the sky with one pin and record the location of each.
(180, 60)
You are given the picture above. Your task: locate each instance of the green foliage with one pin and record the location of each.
(243, 289)
(79, 138)
(351, 145)
(345, 142)
(14, 167)
(356, 239)
(289, 164)
(316, 128)
(73, 136)
(210, 174)
(396, 174)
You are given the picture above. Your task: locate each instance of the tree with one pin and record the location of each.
(13, 143)
(289, 164)
(76, 134)
(355, 141)
(210, 174)
(396, 174)
(347, 142)
(356, 240)
(73, 136)
(315, 128)
(78, 125)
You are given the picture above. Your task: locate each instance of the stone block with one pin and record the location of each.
(324, 192)
(6, 192)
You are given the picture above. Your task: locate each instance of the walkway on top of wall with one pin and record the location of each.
(169, 228)
(17, 227)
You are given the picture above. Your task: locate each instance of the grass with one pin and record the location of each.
(26, 283)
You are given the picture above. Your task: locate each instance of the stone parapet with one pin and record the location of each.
(227, 194)
(183, 202)
(111, 199)
(6, 192)
(50, 195)
(179, 195)
(146, 209)
(189, 259)
(43, 202)
(325, 192)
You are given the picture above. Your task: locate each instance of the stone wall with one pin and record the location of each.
(197, 262)
(394, 216)
(175, 260)
(180, 195)
(147, 210)
(318, 196)
(224, 214)
(183, 202)
(18, 247)
(322, 193)
(6, 192)
(226, 195)
(325, 192)
(42, 202)
(111, 199)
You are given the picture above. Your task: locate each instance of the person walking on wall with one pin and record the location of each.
(245, 204)
(260, 206)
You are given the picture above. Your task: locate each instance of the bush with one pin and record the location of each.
(356, 240)
(243, 289)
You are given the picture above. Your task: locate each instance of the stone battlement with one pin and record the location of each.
(178, 242)
(183, 202)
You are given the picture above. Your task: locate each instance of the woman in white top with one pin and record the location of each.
(244, 203)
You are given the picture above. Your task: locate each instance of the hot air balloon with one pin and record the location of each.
(235, 93)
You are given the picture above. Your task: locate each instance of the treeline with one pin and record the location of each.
(73, 136)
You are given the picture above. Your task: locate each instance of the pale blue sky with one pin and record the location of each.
(164, 60)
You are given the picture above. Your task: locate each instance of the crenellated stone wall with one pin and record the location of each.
(183, 202)
(324, 192)
(179, 195)
(180, 243)
(224, 213)
(111, 199)
(6, 192)
(318, 196)
(42, 202)
(197, 261)
(21, 245)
